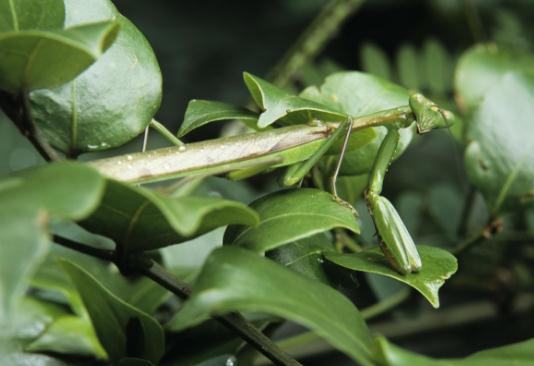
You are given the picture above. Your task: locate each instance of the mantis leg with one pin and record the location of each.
(395, 240)
(297, 172)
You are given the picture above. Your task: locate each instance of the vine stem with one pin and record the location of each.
(277, 147)
(314, 38)
(151, 269)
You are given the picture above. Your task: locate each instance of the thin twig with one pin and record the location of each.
(466, 211)
(233, 321)
(106, 255)
(158, 274)
(314, 38)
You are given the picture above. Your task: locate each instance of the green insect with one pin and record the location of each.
(395, 240)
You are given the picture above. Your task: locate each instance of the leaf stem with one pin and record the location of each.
(281, 146)
(163, 131)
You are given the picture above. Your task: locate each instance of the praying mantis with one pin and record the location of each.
(395, 240)
(299, 145)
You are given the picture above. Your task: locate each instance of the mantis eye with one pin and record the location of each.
(428, 115)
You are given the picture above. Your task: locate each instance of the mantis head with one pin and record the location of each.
(428, 115)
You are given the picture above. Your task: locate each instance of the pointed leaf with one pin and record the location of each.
(359, 94)
(90, 112)
(375, 61)
(408, 64)
(140, 219)
(518, 354)
(69, 335)
(290, 215)
(438, 265)
(201, 112)
(437, 67)
(114, 319)
(234, 279)
(277, 104)
(36, 59)
(142, 292)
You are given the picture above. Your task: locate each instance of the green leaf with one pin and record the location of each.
(518, 354)
(69, 335)
(35, 59)
(12, 354)
(142, 292)
(277, 104)
(234, 279)
(201, 112)
(139, 219)
(305, 256)
(91, 112)
(409, 67)
(375, 61)
(64, 190)
(358, 94)
(438, 265)
(437, 67)
(122, 329)
(499, 156)
(23, 245)
(30, 319)
(17, 15)
(482, 66)
(27, 201)
(290, 215)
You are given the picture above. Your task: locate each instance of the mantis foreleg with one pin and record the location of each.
(395, 240)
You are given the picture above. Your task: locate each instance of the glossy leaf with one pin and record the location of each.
(122, 329)
(481, 67)
(518, 354)
(277, 104)
(139, 219)
(438, 265)
(91, 112)
(305, 256)
(236, 279)
(201, 112)
(499, 156)
(36, 59)
(27, 201)
(64, 190)
(290, 215)
(142, 292)
(17, 15)
(69, 335)
(358, 94)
